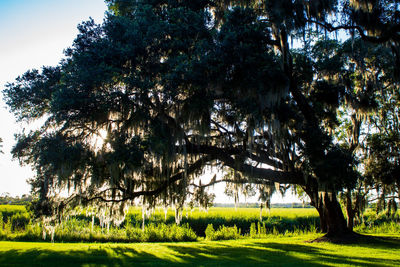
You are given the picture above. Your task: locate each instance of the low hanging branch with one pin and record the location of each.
(153, 193)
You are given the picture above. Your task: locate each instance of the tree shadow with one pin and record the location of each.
(276, 254)
(386, 242)
(123, 256)
(326, 257)
(222, 253)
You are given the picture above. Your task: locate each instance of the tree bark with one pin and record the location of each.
(335, 222)
(350, 216)
(351, 212)
(332, 221)
(322, 220)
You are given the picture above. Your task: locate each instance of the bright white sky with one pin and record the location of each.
(34, 34)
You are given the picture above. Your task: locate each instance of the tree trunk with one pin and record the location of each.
(332, 221)
(350, 220)
(322, 220)
(335, 222)
(350, 211)
(330, 212)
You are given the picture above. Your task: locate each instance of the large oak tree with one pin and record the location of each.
(144, 102)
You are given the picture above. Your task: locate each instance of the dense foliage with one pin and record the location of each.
(274, 93)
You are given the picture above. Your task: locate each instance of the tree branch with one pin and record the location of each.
(390, 33)
(239, 181)
(163, 186)
(269, 175)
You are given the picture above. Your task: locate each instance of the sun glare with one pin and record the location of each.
(99, 139)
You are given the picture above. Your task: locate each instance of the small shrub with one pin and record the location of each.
(223, 233)
(226, 233)
(253, 230)
(275, 231)
(210, 232)
(161, 233)
(262, 230)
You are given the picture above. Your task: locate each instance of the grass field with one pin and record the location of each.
(277, 248)
(282, 251)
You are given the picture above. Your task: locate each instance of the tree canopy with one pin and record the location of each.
(273, 92)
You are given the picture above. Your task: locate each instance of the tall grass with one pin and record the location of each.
(79, 231)
(281, 219)
(13, 218)
(214, 224)
(7, 211)
(160, 226)
(373, 223)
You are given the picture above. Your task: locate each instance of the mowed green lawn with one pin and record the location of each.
(274, 251)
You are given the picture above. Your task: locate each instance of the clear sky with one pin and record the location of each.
(34, 34)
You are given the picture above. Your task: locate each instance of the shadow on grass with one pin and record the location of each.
(95, 257)
(281, 254)
(388, 242)
(251, 253)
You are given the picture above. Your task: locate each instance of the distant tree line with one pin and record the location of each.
(7, 199)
